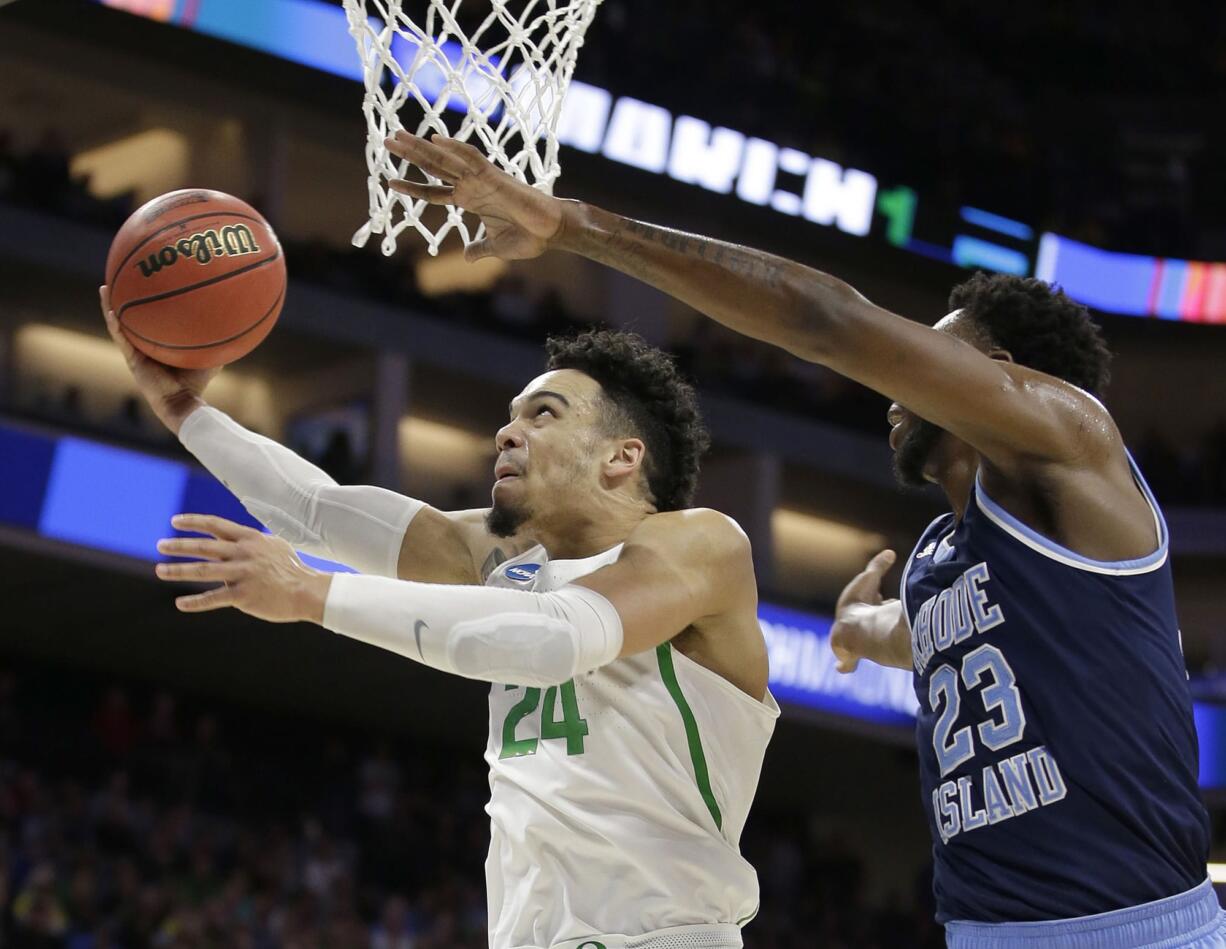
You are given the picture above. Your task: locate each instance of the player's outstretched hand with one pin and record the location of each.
(863, 627)
(259, 574)
(520, 221)
(172, 393)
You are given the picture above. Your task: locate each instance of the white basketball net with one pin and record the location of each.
(509, 73)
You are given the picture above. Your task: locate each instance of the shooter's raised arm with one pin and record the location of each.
(369, 528)
(1007, 412)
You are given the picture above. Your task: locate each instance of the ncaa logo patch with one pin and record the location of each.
(523, 572)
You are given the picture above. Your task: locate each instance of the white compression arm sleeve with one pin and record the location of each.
(361, 526)
(506, 636)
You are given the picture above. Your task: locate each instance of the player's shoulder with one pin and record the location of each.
(702, 520)
(1051, 388)
(698, 529)
(1091, 430)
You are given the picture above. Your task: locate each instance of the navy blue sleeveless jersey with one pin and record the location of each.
(1058, 756)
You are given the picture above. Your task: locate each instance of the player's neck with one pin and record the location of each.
(954, 468)
(574, 535)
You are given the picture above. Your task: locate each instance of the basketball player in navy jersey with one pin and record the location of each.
(1058, 756)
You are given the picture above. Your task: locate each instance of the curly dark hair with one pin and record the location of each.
(646, 398)
(1039, 325)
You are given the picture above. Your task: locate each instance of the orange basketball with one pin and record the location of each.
(197, 278)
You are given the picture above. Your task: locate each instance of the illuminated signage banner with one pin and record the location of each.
(1211, 736)
(754, 170)
(118, 500)
(309, 32)
(1133, 284)
(803, 672)
(101, 497)
(106, 498)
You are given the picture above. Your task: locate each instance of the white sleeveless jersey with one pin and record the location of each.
(617, 800)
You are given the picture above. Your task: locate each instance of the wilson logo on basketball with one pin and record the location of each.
(235, 240)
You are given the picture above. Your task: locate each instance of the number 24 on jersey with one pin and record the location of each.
(570, 726)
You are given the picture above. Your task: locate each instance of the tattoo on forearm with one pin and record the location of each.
(758, 294)
(495, 558)
(623, 243)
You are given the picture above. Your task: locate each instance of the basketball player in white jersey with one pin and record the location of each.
(629, 712)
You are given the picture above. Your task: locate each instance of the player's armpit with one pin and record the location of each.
(676, 569)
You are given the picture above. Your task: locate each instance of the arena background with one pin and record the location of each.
(214, 781)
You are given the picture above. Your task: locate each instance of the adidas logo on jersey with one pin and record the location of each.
(927, 551)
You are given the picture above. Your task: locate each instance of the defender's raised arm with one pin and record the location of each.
(1002, 409)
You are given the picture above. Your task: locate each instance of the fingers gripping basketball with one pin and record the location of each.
(197, 278)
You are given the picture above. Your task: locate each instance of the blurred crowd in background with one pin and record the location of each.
(718, 360)
(41, 178)
(131, 817)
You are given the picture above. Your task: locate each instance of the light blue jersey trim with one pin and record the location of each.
(1191, 920)
(1049, 548)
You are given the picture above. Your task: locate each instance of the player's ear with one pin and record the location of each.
(1002, 354)
(624, 458)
